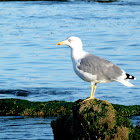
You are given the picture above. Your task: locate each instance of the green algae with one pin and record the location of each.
(20, 107)
(127, 111)
(17, 107)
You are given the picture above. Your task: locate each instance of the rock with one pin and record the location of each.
(62, 128)
(18, 107)
(91, 120)
(95, 119)
(17, 92)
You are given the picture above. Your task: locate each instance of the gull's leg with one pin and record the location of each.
(94, 90)
(91, 94)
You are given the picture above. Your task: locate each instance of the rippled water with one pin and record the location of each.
(17, 127)
(32, 67)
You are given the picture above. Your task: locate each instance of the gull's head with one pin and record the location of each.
(73, 42)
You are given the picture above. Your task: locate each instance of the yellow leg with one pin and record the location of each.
(94, 90)
(91, 94)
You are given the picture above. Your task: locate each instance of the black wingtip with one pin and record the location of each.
(128, 76)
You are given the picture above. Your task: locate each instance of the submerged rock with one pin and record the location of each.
(91, 120)
(17, 92)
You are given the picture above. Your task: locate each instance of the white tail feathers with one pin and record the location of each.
(126, 83)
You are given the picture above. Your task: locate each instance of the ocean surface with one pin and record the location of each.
(33, 68)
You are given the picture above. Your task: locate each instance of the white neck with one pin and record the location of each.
(77, 54)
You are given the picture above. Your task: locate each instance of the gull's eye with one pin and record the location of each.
(69, 40)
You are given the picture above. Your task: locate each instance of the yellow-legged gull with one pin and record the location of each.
(93, 68)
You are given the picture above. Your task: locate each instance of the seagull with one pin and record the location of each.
(94, 69)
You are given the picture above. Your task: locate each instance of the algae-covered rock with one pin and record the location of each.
(91, 120)
(53, 108)
(97, 120)
(17, 107)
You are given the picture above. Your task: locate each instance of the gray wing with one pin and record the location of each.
(104, 69)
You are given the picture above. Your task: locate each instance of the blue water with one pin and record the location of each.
(21, 128)
(31, 61)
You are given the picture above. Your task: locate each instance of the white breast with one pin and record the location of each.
(76, 58)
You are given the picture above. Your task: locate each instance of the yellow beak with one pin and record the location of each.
(60, 43)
